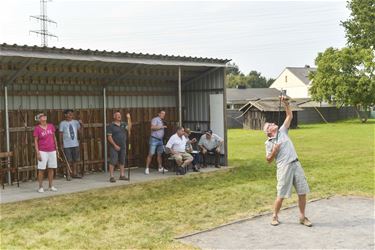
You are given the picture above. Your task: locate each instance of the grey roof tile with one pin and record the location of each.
(302, 73)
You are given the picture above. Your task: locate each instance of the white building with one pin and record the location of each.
(295, 81)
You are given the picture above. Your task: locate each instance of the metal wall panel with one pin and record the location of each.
(79, 102)
(196, 99)
(141, 101)
(195, 96)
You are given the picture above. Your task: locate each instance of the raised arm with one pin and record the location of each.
(289, 113)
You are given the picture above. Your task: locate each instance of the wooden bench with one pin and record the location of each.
(27, 170)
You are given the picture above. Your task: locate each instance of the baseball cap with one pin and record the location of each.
(209, 131)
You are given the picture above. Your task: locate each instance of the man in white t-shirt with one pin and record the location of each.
(177, 146)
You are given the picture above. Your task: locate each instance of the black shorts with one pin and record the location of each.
(72, 154)
(117, 157)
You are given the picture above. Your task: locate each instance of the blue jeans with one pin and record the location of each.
(156, 145)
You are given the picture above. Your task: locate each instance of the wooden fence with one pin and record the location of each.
(21, 124)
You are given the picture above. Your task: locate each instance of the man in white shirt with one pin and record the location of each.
(177, 146)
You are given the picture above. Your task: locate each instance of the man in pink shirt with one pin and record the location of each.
(45, 149)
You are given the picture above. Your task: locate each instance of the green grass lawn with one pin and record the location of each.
(338, 159)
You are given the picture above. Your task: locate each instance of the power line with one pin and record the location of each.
(44, 21)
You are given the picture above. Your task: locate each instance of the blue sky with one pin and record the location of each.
(257, 35)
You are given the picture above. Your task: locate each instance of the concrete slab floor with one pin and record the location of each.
(28, 190)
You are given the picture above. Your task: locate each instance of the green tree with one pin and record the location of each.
(236, 80)
(256, 80)
(360, 28)
(346, 76)
(233, 69)
(270, 81)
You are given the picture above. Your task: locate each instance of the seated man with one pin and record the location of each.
(177, 145)
(190, 150)
(210, 143)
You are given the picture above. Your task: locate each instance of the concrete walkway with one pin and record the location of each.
(339, 223)
(28, 190)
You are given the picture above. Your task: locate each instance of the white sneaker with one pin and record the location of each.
(147, 171)
(53, 189)
(161, 170)
(41, 190)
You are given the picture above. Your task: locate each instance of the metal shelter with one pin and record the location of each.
(32, 78)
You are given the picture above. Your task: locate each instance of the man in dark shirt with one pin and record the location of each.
(117, 132)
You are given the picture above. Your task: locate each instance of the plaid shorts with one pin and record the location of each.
(290, 175)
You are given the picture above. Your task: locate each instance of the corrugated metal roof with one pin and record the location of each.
(245, 95)
(302, 73)
(98, 55)
(266, 105)
(308, 103)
